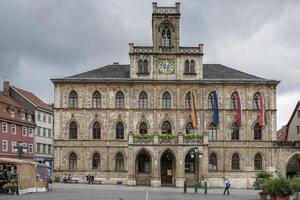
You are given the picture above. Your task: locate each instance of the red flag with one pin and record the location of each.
(239, 110)
(261, 116)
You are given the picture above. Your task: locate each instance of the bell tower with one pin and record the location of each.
(165, 28)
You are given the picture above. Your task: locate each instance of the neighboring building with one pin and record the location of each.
(43, 117)
(132, 123)
(16, 126)
(288, 144)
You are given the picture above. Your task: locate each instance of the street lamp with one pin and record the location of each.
(196, 154)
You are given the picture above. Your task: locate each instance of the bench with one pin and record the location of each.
(97, 181)
(72, 181)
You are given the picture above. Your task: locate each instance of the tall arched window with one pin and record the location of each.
(235, 132)
(143, 66)
(188, 100)
(166, 37)
(96, 131)
(189, 129)
(256, 101)
(166, 128)
(233, 101)
(186, 66)
(140, 66)
(143, 100)
(120, 130)
(96, 161)
(73, 99)
(166, 100)
(211, 100)
(119, 162)
(120, 100)
(257, 132)
(192, 67)
(96, 99)
(212, 132)
(73, 130)
(189, 162)
(73, 161)
(212, 162)
(257, 162)
(143, 128)
(235, 162)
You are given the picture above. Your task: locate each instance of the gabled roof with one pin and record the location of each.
(9, 101)
(119, 73)
(291, 118)
(282, 133)
(32, 99)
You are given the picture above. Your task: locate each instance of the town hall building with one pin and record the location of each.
(165, 118)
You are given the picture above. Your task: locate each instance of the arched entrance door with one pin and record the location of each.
(143, 169)
(293, 166)
(167, 167)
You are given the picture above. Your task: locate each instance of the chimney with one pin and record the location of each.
(6, 88)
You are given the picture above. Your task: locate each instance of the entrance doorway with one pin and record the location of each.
(167, 166)
(143, 169)
(293, 166)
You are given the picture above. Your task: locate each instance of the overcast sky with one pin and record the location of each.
(47, 39)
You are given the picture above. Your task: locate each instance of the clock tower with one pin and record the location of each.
(166, 59)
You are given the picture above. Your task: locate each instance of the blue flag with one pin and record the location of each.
(216, 109)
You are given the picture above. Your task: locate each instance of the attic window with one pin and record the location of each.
(29, 117)
(22, 116)
(12, 113)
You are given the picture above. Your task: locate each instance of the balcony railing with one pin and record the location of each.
(167, 139)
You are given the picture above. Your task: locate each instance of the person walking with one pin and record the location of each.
(227, 186)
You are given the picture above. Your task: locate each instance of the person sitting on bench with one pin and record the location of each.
(90, 179)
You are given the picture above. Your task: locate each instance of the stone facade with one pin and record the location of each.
(165, 158)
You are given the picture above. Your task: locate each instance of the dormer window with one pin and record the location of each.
(29, 117)
(12, 113)
(166, 37)
(22, 116)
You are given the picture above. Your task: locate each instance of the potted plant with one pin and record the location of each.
(260, 180)
(295, 184)
(278, 187)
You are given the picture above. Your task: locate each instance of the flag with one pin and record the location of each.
(239, 110)
(261, 116)
(216, 109)
(194, 112)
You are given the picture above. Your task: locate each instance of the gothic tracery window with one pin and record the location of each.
(211, 100)
(258, 162)
(212, 162)
(143, 128)
(233, 101)
(73, 130)
(96, 99)
(188, 100)
(143, 100)
(256, 101)
(120, 130)
(119, 162)
(166, 100)
(73, 161)
(166, 128)
(73, 99)
(235, 162)
(235, 132)
(166, 37)
(120, 100)
(257, 132)
(212, 132)
(96, 161)
(96, 131)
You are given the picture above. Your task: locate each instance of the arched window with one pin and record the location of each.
(257, 162)
(256, 101)
(143, 100)
(73, 161)
(188, 100)
(212, 132)
(189, 129)
(145, 67)
(96, 99)
(144, 163)
(73, 130)
(119, 162)
(257, 132)
(166, 37)
(186, 66)
(166, 100)
(235, 162)
(233, 101)
(120, 130)
(166, 128)
(120, 100)
(143, 128)
(211, 100)
(96, 161)
(73, 99)
(213, 162)
(140, 66)
(235, 132)
(96, 131)
(192, 67)
(189, 163)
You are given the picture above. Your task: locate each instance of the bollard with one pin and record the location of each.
(196, 187)
(184, 186)
(205, 187)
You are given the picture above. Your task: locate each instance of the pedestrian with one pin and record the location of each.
(227, 186)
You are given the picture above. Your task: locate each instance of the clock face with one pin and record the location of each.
(166, 66)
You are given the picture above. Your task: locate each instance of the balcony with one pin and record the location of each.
(160, 139)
